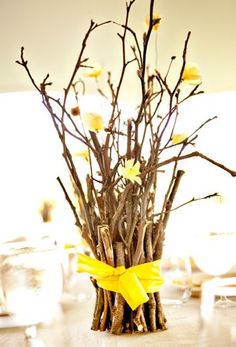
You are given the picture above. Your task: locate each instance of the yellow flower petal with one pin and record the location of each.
(93, 121)
(138, 180)
(83, 154)
(94, 71)
(178, 138)
(156, 21)
(136, 167)
(129, 164)
(131, 171)
(192, 74)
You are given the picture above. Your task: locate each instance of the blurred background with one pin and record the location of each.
(52, 32)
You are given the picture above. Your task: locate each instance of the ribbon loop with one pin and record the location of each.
(133, 283)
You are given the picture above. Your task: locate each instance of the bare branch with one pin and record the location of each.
(200, 155)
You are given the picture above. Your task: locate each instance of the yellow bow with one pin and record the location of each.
(133, 283)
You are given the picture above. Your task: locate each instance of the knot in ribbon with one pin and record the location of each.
(133, 283)
(119, 270)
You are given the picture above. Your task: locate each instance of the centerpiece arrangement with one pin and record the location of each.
(115, 209)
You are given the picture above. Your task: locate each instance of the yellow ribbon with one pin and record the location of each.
(133, 283)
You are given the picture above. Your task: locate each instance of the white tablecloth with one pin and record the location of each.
(71, 328)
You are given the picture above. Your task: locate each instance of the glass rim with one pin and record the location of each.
(27, 246)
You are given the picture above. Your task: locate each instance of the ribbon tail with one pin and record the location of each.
(132, 290)
(93, 266)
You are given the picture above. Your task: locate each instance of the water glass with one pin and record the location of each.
(31, 280)
(176, 270)
(77, 286)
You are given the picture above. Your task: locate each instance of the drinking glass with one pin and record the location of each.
(77, 286)
(214, 254)
(176, 270)
(31, 282)
(217, 327)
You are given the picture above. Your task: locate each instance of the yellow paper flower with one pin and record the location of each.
(83, 154)
(178, 138)
(192, 74)
(93, 121)
(131, 171)
(94, 71)
(156, 20)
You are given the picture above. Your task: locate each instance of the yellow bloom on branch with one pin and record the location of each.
(131, 171)
(155, 20)
(83, 154)
(178, 138)
(95, 71)
(93, 121)
(192, 74)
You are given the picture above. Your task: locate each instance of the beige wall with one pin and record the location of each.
(52, 30)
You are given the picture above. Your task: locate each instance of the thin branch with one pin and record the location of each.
(24, 63)
(70, 203)
(209, 196)
(200, 155)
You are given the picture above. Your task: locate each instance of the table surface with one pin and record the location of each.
(71, 328)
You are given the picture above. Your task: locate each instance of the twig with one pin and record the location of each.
(209, 196)
(200, 155)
